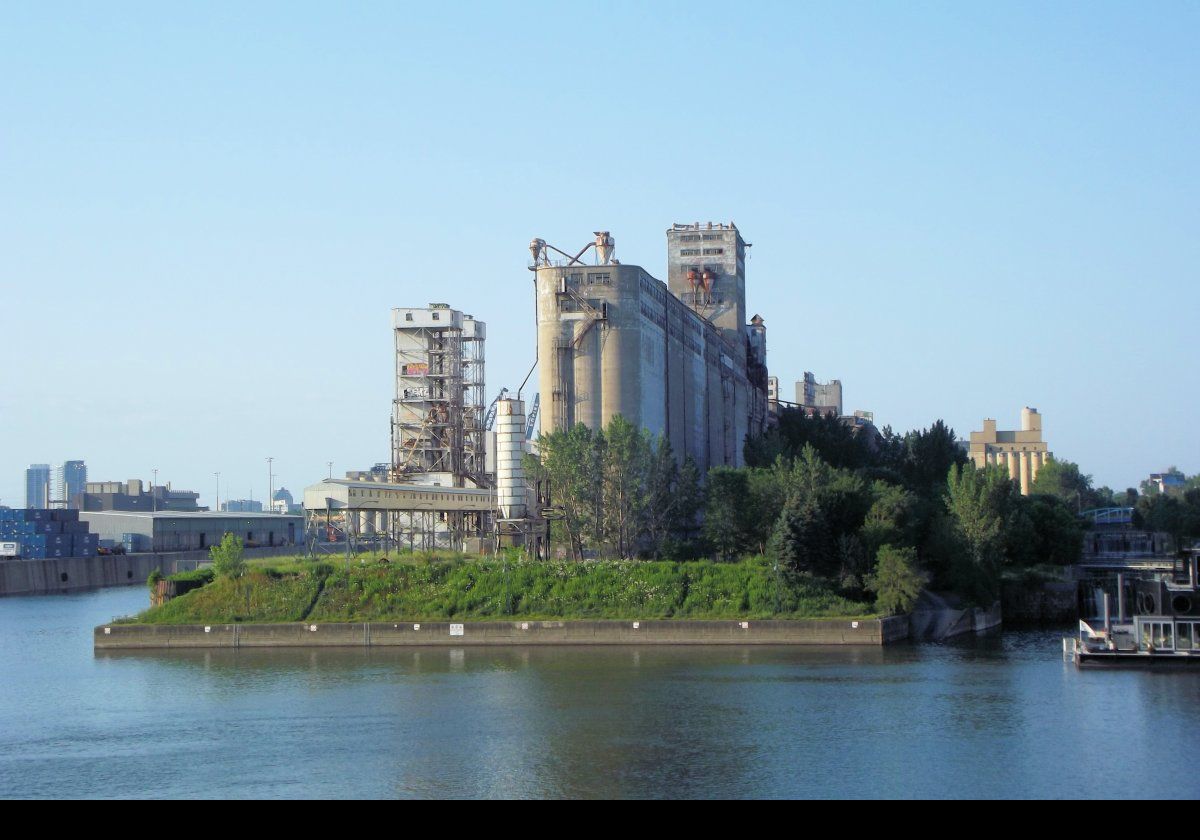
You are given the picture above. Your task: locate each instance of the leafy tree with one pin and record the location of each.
(673, 499)
(925, 457)
(725, 514)
(837, 443)
(1057, 531)
(768, 494)
(227, 557)
(890, 519)
(897, 581)
(814, 541)
(973, 498)
(626, 464)
(572, 462)
(1177, 516)
(854, 566)
(1064, 480)
(784, 545)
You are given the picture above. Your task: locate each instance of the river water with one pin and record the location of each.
(998, 717)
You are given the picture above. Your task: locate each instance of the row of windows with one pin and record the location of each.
(415, 496)
(437, 316)
(1162, 635)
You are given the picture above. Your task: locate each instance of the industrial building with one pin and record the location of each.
(434, 491)
(1021, 452)
(191, 530)
(819, 397)
(438, 409)
(677, 358)
(132, 495)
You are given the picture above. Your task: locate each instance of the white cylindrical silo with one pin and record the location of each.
(510, 449)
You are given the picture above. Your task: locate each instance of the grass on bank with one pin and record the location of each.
(495, 590)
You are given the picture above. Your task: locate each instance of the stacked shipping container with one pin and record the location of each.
(44, 533)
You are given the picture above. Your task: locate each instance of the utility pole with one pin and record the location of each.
(153, 495)
(218, 507)
(270, 486)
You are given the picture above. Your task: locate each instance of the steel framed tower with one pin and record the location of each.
(475, 404)
(438, 409)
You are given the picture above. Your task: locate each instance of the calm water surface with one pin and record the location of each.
(1002, 717)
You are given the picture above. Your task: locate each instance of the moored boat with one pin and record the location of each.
(1157, 621)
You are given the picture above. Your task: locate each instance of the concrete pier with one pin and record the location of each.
(871, 632)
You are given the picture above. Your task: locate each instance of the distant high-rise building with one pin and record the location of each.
(70, 481)
(37, 486)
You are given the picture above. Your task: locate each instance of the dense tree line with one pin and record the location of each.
(619, 490)
(885, 516)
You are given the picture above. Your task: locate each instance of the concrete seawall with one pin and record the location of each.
(71, 574)
(871, 632)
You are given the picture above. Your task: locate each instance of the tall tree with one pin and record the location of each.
(674, 496)
(814, 541)
(725, 512)
(626, 465)
(897, 581)
(571, 461)
(973, 499)
(1065, 481)
(926, 457)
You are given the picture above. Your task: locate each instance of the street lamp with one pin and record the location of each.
(153, 484)
(218, 506)
(270, 486)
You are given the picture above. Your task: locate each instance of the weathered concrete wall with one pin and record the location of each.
(70, 574)
(444, 634)
(945, 622)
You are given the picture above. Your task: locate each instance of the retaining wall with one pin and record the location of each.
(948, 622)
(873, 632)
(69, 574)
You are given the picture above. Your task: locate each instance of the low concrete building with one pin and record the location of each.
(1021, 452)
(190, 530)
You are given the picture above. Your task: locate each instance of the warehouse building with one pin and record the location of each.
(676, 358)
(191, 530)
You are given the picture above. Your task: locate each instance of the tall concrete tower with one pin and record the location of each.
(706, 269)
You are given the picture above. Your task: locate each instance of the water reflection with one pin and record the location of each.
(997, 716)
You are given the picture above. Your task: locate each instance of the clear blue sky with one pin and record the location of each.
(207, 210)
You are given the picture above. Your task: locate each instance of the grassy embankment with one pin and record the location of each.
(492, 590)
